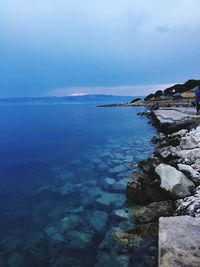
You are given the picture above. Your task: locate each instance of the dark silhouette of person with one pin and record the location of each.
(198, 100)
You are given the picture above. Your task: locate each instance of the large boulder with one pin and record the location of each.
(153, 211)
(174, 181)
(179, 242)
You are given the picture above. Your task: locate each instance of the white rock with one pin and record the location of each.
(180, 133)
(189, 205)
(174, 181)
(189, 142)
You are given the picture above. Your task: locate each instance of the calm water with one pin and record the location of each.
(63, 172)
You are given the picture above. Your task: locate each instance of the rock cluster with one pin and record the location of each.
(173, 173)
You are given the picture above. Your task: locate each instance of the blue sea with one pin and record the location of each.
(63, 174)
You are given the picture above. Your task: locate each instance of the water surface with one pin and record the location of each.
(63, 173)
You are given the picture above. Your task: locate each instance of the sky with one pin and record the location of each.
(123, 47)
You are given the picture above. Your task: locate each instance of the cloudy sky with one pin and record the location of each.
(127, 47)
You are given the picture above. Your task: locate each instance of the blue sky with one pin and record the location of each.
(126, 47)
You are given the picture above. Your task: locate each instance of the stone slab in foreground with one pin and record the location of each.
(179, 241)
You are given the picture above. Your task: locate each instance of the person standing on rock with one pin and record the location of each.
(198, 100)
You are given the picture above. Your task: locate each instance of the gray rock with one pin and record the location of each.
(189, 142)
(153, 211)
(179, 242)
(180, 133)
(187, 169)
(189, 205)
(191, 154)
(168, 152)
(174, 181)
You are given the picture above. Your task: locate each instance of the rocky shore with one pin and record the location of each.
(168, 184)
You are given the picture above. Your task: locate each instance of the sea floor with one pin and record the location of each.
(70, 217)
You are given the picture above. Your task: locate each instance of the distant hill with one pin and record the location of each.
(85, 99)
(175, 89)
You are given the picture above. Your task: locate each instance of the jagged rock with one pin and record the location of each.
(142, 188)
(189, 142)
(149, 165)
(168, 153)
(187, 169)
(189, 205)
(174, 181)
(179, 242)
(153, 211)
(180, 133)
(190, 155)
(196, 165)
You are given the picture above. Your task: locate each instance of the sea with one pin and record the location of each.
(63, 175)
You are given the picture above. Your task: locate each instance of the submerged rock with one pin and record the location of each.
(121, 213)
(133, 237)
(15, 260)
(109, 181)
(119, 168)
(110, 198)
(174, 181)
(153, 211)
(70, 222)
(80, 240)
(98, 220)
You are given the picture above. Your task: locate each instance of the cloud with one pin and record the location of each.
(48, 43)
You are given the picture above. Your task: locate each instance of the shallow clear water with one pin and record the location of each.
(63, 173)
